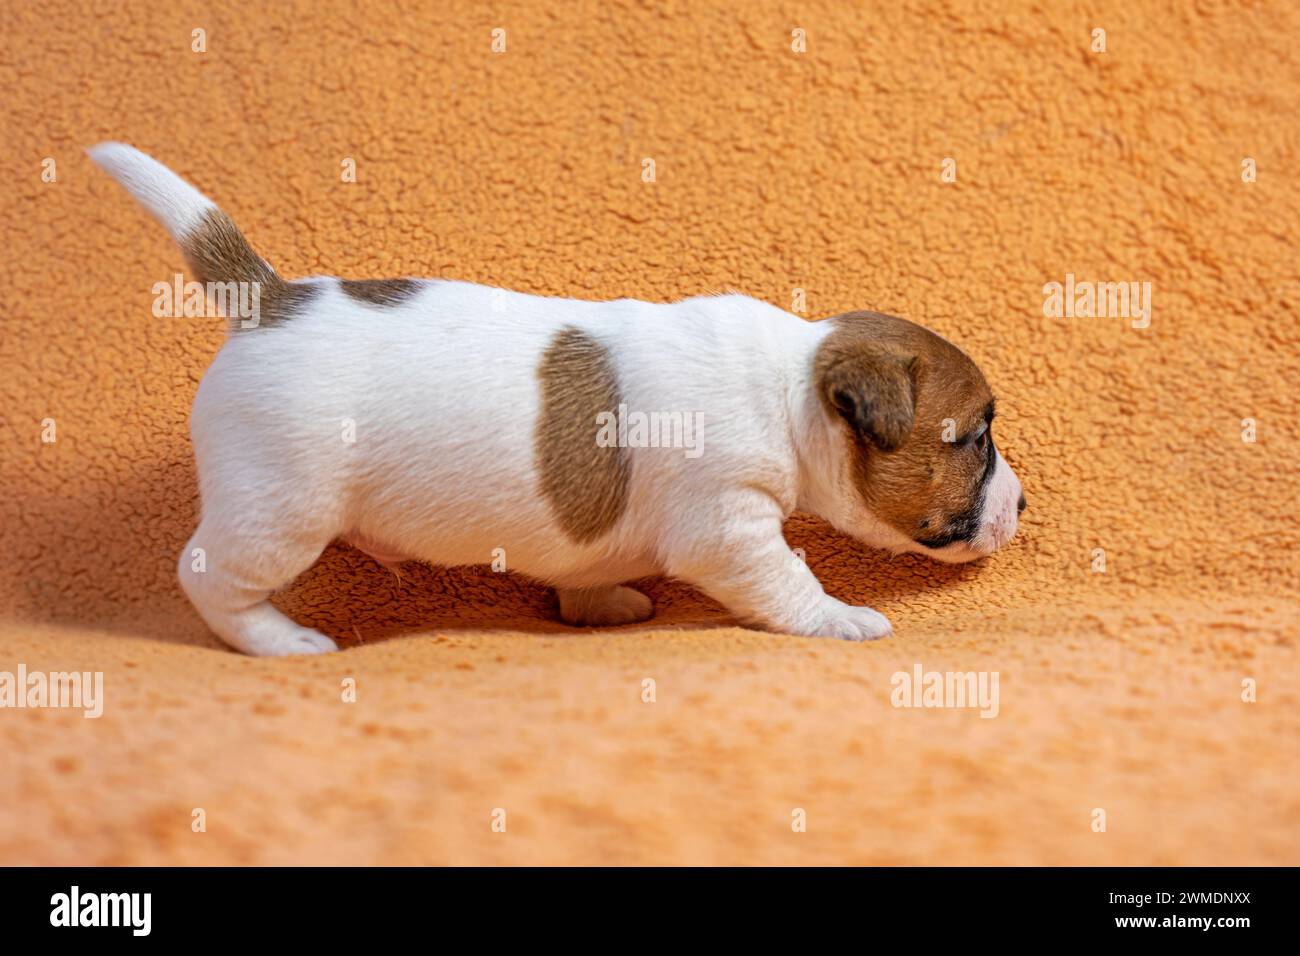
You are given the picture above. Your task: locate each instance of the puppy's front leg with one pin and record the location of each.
(753, 572)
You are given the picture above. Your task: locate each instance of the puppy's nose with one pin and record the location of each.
(1020, 505)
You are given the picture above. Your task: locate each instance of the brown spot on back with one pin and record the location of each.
(218, 252)
(379, 291)
(585, 483)
(907, 381)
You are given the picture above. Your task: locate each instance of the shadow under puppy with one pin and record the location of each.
(595, 442)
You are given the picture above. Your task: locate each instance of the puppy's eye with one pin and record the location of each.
(978, 440)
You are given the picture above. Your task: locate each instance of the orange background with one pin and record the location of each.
(775, 171)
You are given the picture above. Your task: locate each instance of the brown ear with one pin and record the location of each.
(874, 393)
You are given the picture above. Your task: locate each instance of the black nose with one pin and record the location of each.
(1020, 505)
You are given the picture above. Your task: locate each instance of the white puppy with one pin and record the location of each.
(594, 442)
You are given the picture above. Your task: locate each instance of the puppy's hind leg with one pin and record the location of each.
(229, 571)
(603, 606)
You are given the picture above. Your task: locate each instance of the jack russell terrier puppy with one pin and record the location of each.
(437, 420)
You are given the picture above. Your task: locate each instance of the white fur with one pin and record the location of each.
(177, 205)
(442, 393)
(1001, 511)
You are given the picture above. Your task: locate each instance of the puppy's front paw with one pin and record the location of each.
(288, 642)
(850, 623)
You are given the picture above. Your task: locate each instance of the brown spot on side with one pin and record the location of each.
(379, 291)
(585, 483)
(894, 383)
(218, 253)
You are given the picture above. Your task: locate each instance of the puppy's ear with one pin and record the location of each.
(874, 391)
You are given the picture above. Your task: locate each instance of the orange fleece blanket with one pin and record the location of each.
(941, 162)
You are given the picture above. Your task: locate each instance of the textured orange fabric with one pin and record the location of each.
(775, 171)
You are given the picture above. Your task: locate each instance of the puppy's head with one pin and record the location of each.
(916, 416)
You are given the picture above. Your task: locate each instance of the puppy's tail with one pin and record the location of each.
(213, 245)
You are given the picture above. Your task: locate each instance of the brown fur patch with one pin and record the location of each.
(894, 383)
(379, 291)
(218, 252)
(586, 484)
